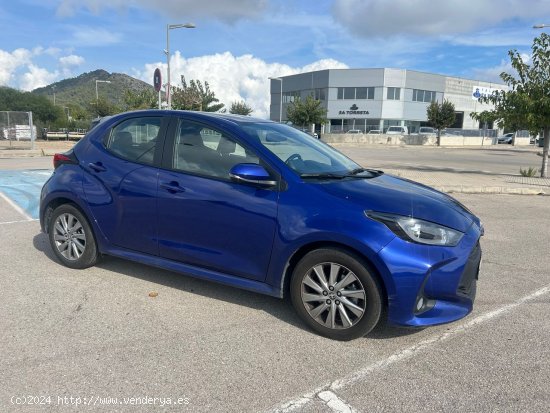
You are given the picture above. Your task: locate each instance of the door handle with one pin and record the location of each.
(97, 166)
(172, 187)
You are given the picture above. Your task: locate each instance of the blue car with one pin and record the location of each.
(260, 205)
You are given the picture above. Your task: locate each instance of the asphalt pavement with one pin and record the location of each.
(127, 337)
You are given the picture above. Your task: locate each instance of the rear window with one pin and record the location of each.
(135, 139)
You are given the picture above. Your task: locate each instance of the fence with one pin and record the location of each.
(17, 130)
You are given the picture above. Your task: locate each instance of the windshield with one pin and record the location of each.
(302, 153)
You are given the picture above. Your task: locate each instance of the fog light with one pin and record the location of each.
(420, 304)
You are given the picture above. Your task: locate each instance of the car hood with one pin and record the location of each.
(390, 194)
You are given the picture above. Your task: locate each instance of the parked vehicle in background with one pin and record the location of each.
(425, 130)
(374, 132)
(397, 130)
(309, 132)
(260, 205)
(507, 138)
(355, 132)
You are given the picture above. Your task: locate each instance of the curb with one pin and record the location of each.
(25, 153)
(490, 190)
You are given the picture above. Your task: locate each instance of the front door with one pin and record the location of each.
(205, 219)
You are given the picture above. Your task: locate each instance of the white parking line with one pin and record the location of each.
(335, 403)
(16, 207)
(17, 222)
(407, 353)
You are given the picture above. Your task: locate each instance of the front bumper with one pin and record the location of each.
(432, 284)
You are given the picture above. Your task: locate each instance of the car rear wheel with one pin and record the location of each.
(336, 294)
(71, 238)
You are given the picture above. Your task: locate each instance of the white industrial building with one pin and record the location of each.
(366, 99)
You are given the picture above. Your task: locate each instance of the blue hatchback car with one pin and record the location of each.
(265, 207)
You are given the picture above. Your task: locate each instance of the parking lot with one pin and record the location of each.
(127, 337)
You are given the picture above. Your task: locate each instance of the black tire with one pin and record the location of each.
(345, 324)
(78, 232)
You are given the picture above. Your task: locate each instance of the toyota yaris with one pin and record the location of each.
(263, 206)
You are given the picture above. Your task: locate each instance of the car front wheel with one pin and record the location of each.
(336, 294)
(71, 238)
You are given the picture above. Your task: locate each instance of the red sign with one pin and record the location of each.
(157, 80)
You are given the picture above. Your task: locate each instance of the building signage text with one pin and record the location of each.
(353, 110)
(482, 92)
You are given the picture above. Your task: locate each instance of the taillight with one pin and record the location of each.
(64, 158)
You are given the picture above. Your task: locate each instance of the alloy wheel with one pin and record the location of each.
(69, 236)
(333, 296)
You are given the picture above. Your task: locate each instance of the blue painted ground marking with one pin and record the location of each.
(23, 188)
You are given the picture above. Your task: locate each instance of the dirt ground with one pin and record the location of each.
(54, 145)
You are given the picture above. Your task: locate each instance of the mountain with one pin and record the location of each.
(81, 90)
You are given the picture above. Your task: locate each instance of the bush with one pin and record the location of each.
(530, 172)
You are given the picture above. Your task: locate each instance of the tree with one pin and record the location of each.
(195, 96)
(484, 118)
(140, 99)
(306, 112)
(103, 107)
(240, 108)
(527, 104)
(441, 116)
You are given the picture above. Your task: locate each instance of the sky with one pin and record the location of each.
(238, 44)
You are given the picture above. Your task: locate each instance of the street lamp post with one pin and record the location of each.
(541, 26)
(167, 51)
(281, 98)
(96, 82)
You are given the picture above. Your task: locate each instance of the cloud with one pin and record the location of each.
(37, 77)
(233, 78)
(19, 69)
(375, 18)
(71, 61)
(224, 10)
(92, 37)
(492, 74)
(10, 62)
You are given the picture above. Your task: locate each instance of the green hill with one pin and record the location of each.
(81, 90)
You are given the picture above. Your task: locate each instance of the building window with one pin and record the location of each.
(355, 93)
(423, 95)
(349, 93)
(394, 93)
(289, 97)
(320, 94)
(364, 93)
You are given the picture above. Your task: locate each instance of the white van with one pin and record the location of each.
(397, 130)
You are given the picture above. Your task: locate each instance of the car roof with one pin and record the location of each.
(237, 119)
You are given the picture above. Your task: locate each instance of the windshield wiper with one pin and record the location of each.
(322, 176)
(355, 173)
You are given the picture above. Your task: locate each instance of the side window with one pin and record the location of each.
(206, 151)
(135, 139)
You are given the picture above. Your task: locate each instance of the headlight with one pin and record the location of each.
(418, 230)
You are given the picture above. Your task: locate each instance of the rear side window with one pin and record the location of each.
(135, 139)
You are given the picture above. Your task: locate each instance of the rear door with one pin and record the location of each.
(205, 219)
(121, 183)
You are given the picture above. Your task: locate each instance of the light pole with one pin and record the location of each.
(167, 51)
(281, 98)
(68, 113)
(96, 82)
(541, 26)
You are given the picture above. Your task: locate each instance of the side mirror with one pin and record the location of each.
(251, 173)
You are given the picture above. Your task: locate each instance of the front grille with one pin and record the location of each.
(467, 283)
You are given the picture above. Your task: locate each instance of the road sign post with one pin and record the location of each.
(157, 82)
